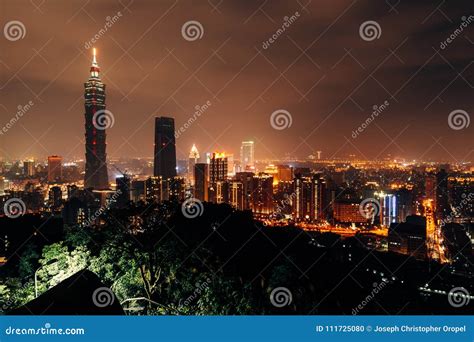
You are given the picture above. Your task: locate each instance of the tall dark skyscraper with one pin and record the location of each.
(165, 148)
(96, 158)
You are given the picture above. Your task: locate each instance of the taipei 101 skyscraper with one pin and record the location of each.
(98, 119)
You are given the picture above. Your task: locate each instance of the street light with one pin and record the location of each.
(50, 262)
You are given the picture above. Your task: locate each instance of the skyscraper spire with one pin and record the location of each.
(96, 176)
(94, 60)
(94, 67)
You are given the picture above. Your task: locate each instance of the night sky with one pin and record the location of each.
(320, 70)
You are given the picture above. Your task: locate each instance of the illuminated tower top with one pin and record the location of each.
(194, 154)
(95, 70)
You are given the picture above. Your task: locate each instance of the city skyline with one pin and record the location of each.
(413, 74)
(308, 157)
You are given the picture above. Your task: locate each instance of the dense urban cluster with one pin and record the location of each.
(340, 211)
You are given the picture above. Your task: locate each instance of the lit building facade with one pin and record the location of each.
(201, 181)
(262, 194)
(247, 156)
(29, 168)
(165, 148)
(389, 209)
(192, 161)
(309, 197)
(96, 158)
(55, 169)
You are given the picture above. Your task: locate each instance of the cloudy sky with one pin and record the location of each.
(323, 73)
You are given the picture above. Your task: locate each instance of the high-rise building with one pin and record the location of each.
(165, 148)
(236, 195)
(247, 156)
(29, 168)
(193, 160)
(309, 197)
(218, 185)
(3, 185)
(138, 190)
(95, 115)
(123, 186)
(55, 197)
(201, 181)
(175, 189)
(247, 181)
(405, 204)
(218, 167)
(231, 165)
(55, 169)
(262, 195)
(154, 189)
(408, 238)
(346, 211)
(389, 210)
(285, 173)
(442, 196)
(430, 187)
